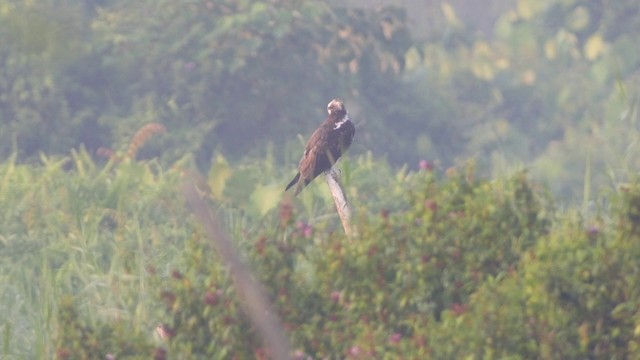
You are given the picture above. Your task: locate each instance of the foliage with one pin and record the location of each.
(80, 341)
(96, 256)
(338, 298)
(547, 88)
(221, 75)
(232, 77)
(71, 226)
(97, 248)
(575, 297)
(32, 104)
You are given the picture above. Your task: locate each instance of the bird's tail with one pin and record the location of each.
(299, 187)
(293, 182)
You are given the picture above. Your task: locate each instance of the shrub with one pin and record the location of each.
(107, 340)
(378, 294)
(574, 297)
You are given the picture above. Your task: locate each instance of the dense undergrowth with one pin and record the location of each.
(446, 265)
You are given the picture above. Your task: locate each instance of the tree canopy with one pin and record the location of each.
(235, 76)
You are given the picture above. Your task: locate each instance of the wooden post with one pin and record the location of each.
(341, 202)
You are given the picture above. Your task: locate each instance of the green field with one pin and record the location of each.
(445, 265)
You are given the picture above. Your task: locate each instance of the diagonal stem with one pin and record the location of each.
(250, 291)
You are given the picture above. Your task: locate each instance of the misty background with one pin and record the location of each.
(550, 86)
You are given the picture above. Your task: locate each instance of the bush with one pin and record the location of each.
(113, 340)
(574, 297)
(377, 294)
(454, 267)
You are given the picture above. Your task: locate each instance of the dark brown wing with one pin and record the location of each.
(324, 148)
(314, 156)
(339, 141)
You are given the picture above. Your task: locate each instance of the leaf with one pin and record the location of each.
(594, 47)
(413, 58)
(527, 9)
(579, 19)
(266, 197)
(450, 14)
(550, 49)
(220, 172)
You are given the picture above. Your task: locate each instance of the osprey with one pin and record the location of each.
(325, 146)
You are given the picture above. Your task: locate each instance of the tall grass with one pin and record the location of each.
(73, 227)
(92, 230)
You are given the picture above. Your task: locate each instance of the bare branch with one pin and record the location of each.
(341, 201)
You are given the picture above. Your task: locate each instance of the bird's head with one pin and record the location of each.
(336, 107)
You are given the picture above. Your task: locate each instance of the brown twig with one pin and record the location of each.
(249, 290)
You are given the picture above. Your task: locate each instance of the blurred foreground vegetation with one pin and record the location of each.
(446, 265)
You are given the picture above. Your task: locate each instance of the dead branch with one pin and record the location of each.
(340, 199)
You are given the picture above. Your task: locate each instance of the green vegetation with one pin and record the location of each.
(552, 86)
(445, 266)
(106, 105)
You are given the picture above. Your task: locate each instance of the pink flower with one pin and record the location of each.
(308, 231)
(305, 229)
(355, 350)
(211, 298)
(458, 309)
(300, 355)
(425, 165)
(335, 296)
(395, 338)
(431, 205)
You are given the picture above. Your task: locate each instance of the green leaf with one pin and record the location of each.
(220, 172)
(265, 198)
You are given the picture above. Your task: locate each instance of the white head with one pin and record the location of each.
(336, 107)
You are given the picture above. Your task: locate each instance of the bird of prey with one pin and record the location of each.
(325, 146)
